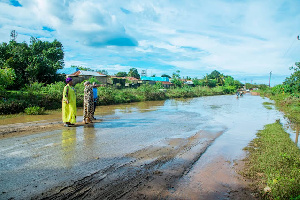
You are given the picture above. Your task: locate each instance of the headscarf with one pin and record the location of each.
(86, 83)
(68, 80)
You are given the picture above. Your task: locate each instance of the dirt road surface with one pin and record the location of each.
(158, 150)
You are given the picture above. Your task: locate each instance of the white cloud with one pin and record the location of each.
(242, 37)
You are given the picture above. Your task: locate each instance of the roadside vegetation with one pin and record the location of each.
(37, 95)
(273, 162)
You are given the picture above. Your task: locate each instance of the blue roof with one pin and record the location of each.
(145, 78)
(69, 70)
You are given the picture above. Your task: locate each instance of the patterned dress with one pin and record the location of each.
(69, 110)
(88, 103)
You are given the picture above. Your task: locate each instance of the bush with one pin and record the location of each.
(50, 96)
(35, 110)
(12, 106)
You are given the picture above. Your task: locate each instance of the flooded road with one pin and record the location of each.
(173, 149)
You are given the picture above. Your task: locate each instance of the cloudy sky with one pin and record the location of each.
(246, 39)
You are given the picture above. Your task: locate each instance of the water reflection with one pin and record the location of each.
(68, 144)
(293, 128)
(297, 134)
(296, 127)
(89, 135)
(129, 108)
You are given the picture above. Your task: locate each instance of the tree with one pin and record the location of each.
(177, 82)
(121, 74)
(103, 71)
(154, 75)
(165, 75)
(214, 75)
(15, 56)
(46, 58)
(176, 75)
(197, 82)
(37, 62)
(7, 77)
(82, 68)
(294, 80)
(229, 81)
(133, 72)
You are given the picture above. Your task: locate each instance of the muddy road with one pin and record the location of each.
(173, 149)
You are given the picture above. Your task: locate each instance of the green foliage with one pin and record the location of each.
(165, 75)
(82, 68)
(50, 96)
(33, 87)
(37, 62)
(11, 106)
(198, 82)
(7, 77)
(274, 161)
(229, 89)
(176, 75)
(35, 110)
(93, 79)
(214, 74)
(159, 85)
(133, 72)
(177, 82)
(229, 81)
(121, 74)
(103, 71)
(294, 80)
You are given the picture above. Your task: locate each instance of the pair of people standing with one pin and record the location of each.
(69, 103)
(90, 100)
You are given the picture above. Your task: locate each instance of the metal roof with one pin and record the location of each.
(69, 70)
(86, 73)
(145, 78)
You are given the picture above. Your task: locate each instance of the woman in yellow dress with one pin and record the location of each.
(69, 104)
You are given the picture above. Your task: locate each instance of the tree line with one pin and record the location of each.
(22, 63)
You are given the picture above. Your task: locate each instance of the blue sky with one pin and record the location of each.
(246, 39)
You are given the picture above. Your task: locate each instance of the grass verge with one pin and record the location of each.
(273, 163)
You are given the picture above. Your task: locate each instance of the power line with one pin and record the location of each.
(292, 43)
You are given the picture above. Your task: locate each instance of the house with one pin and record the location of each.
(124, 81)
(189, 83)
(167, 84)
(153, 80)
(81, 75)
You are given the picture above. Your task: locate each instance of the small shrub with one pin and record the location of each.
(35, 110)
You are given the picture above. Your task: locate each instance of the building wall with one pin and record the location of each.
(79, 79)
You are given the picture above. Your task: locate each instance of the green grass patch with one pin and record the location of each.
(35, 110)
(267, 103)
(274, 161)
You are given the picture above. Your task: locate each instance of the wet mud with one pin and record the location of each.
(148, 175)
(174, 149)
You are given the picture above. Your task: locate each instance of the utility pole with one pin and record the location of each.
(270, 79)
(13, 35)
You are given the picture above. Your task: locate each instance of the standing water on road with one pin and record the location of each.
(34, 163)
